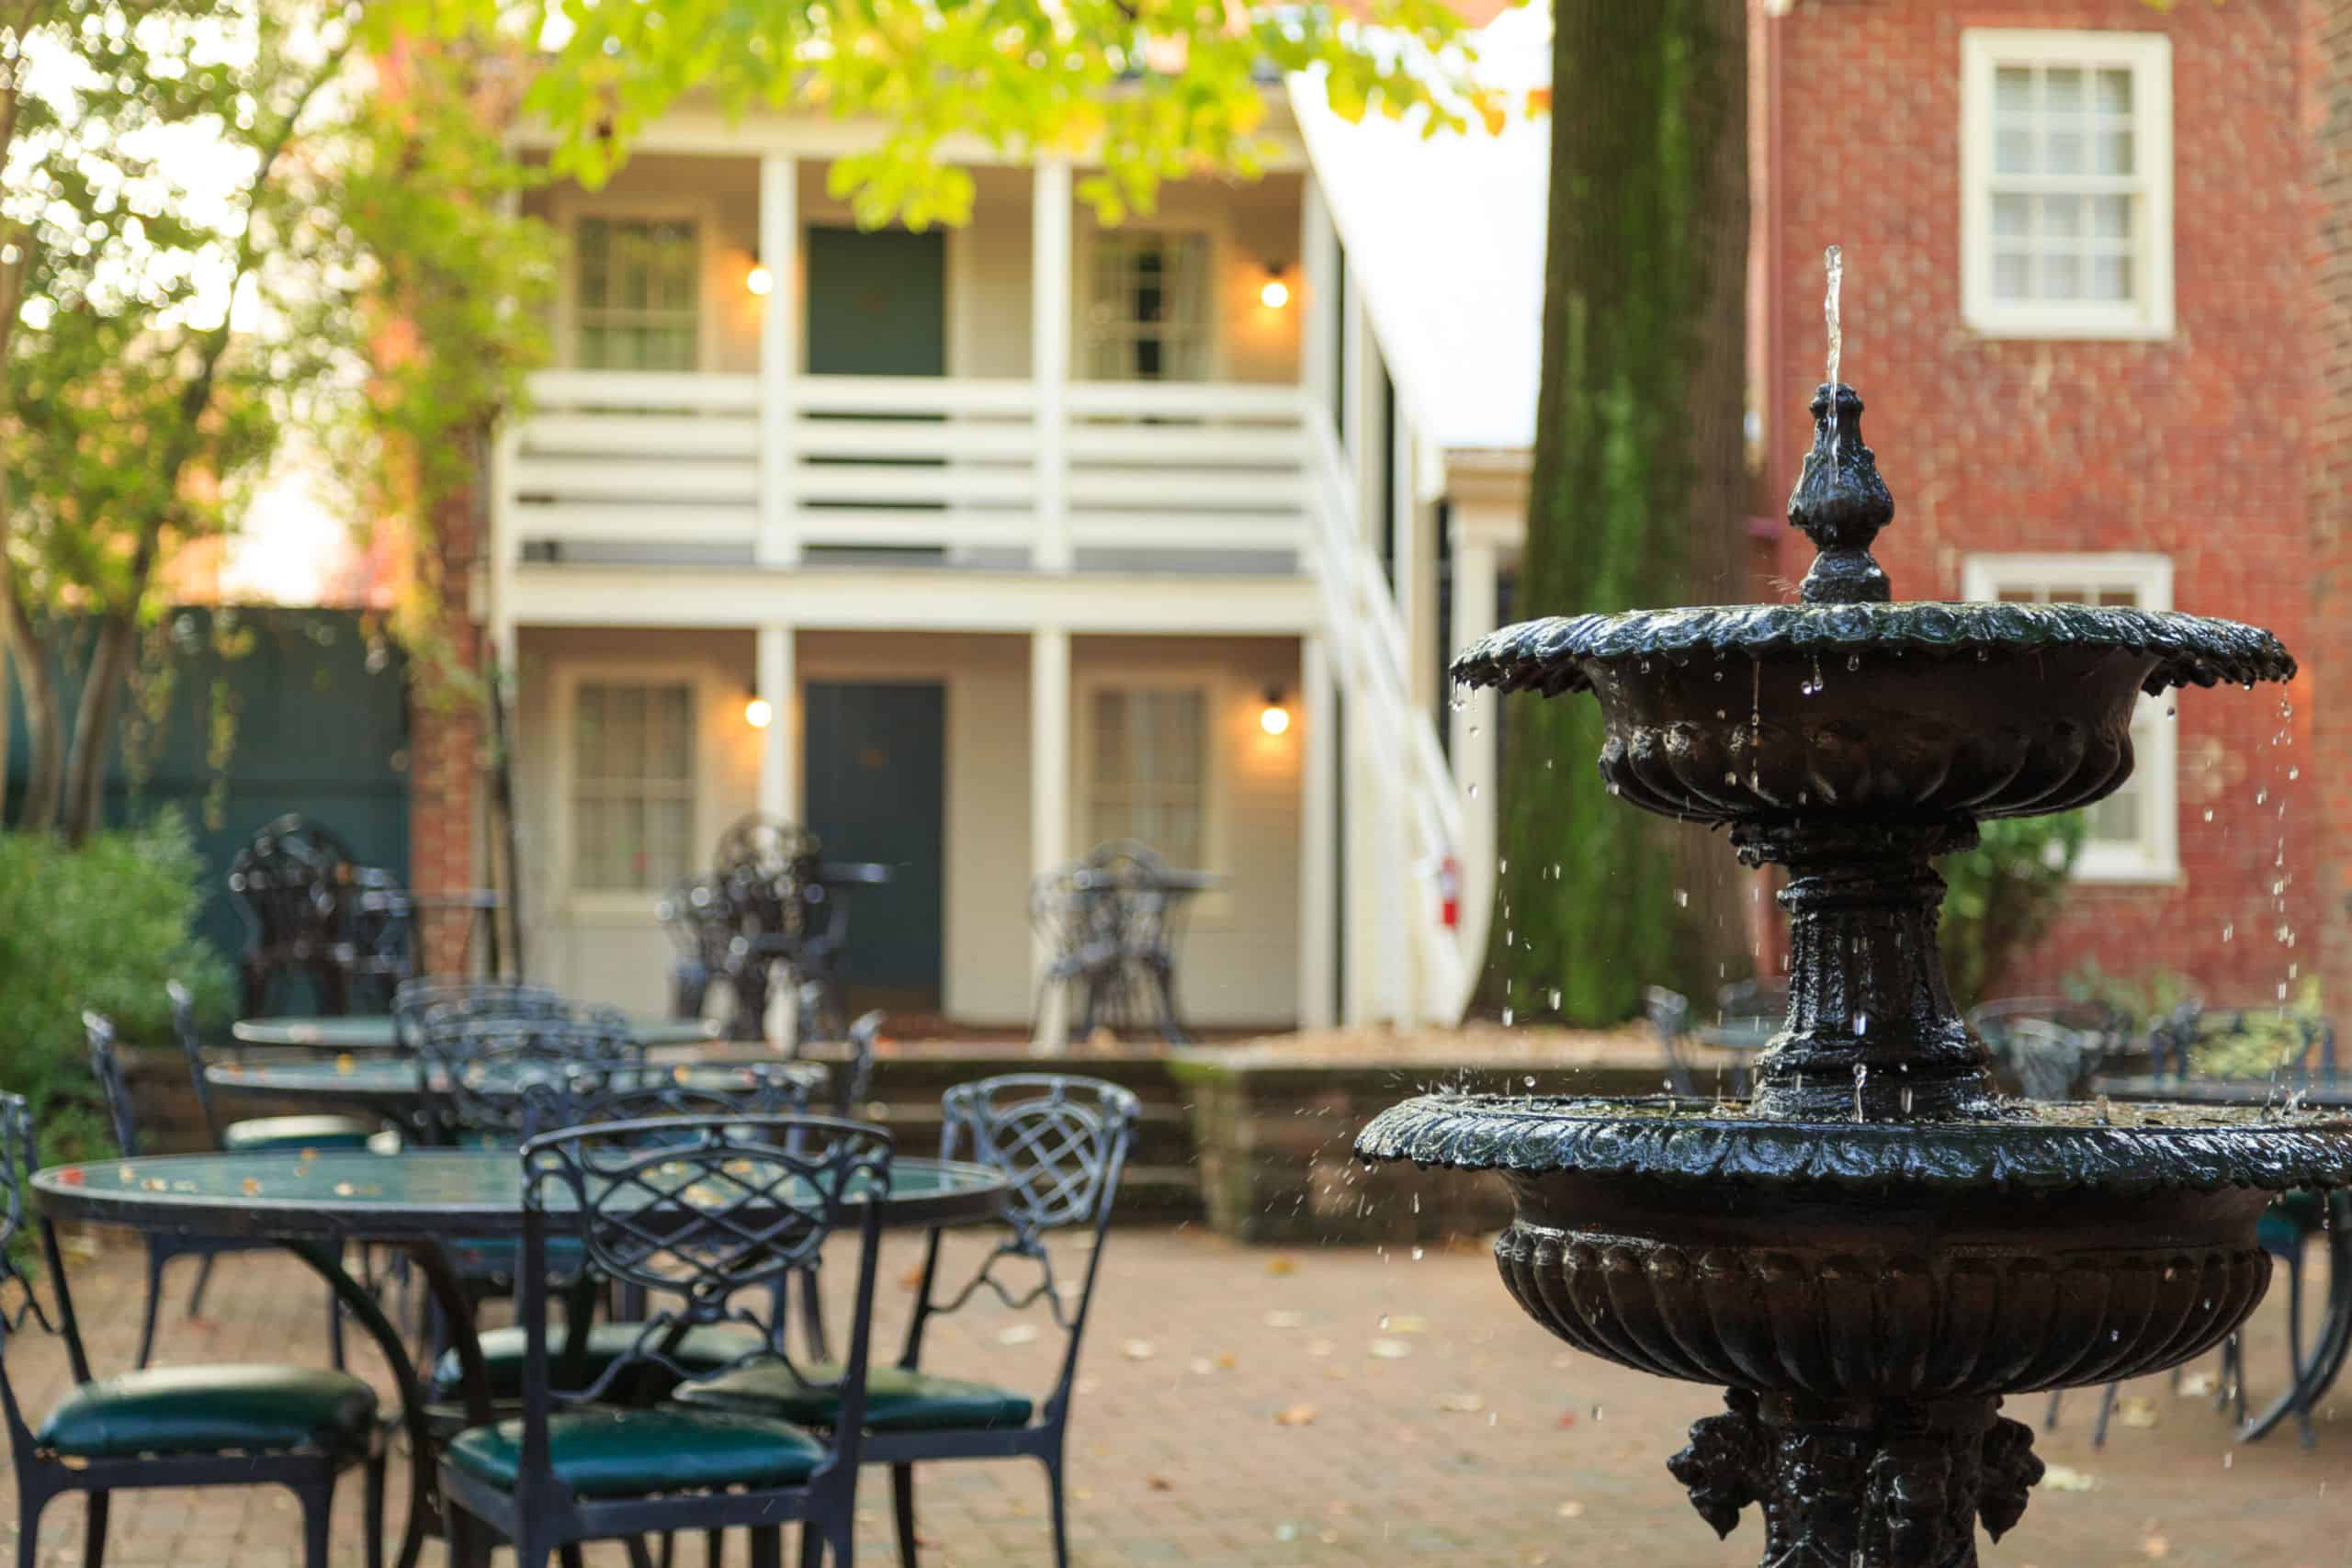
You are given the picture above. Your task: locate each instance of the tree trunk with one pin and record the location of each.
(44, 718)
(1637, 498)
(102, 688)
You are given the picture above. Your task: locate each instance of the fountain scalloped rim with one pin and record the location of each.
(1549, 656)
(2146, 1148)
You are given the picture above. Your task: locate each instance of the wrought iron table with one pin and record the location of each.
(2316, 1376)
(318, 1204)
(374, 1031)
(392, 1087)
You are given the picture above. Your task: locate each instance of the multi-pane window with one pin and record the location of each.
(1147, 307)
(632, 783)
(2133, 835)
(2066, 182)
(637, 301)
(1150, 770)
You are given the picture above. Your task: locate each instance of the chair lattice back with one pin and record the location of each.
(2253, 1043)
(288, 882)
(590, 1094)
(114, 1093)
(417, 999)
(475, 1070)
(2052, 1044)
(1061, 1142)
(18, 1159)
(192, 1048)
(1669, 1016)
(708, 1217)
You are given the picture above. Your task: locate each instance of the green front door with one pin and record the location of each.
(878, 303)
(874, 782)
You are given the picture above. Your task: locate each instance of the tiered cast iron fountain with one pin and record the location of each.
(1875, 1246)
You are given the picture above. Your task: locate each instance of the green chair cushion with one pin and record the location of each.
(897, 1400)
(179, 1410)
(711, 1345)
(631, 1453)
(266, 1133)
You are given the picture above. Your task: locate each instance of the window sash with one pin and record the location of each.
(632, 784)
(637, 294)
(1151, 769)
(1146, 314)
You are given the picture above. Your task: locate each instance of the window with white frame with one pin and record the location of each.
(632, 784)
(1150, 770)
(1147, 315)
(636, 298)
(2066, 183)
(2133, 834)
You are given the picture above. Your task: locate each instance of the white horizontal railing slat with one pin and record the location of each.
(659, 456)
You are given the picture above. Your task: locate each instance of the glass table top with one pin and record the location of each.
(388, 1078)
(414, 1192)
(374, 1031)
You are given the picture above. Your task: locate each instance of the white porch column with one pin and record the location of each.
(1475, 742)
(775, 683)
(1050, 769)
(1318, 279)
(1360, 788)
(1367, 451)
(1049, 317)
(779, 544)
(1318, 810)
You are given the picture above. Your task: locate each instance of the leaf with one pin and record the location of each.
(1571, 1510)
(1285, 1320)
(1138, 1350)
(1296, 1416)
(2136, 1411)
(2065, 1478)
(1017, 1334)
(1461, 1404)
(1391, 1350)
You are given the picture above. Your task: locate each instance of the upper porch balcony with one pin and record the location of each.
(745, 376)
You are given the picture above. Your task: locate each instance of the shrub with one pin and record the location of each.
(2003, 894)
(102, 926)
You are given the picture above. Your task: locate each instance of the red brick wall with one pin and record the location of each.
(2193, 446)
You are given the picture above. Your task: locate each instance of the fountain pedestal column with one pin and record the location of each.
(1872, 1033)
(1884, 1483)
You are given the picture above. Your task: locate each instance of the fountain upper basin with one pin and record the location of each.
(1911, 711)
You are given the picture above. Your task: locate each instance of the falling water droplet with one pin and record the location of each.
(1862, 1075)
(2209, 814)
(1417, 1255)
(1683, 896)
(1555, 1007)
(2228, 930)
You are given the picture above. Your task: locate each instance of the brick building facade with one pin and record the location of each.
(2117, 395)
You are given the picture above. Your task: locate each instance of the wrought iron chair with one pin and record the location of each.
(471, 1069)
(1670, 1016)
(1061, 1143)
(258, 1135)
(298, 1427)
(695, 913)
(600, 1096)
(2052, 1044)
(1114, 922)
(705, 1216)
(469, 998)
(1765, 1000)
(2293, 1052)
(122, 1119)
(302, 895)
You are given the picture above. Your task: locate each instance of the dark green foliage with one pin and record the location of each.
(1636, 495)
(2002, 896)
(99, 926)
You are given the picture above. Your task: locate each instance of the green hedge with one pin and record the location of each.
(102, 926)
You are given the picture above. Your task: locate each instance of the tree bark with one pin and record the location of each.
(93, 723)
(1636, 497)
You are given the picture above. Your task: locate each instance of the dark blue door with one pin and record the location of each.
(874, 790)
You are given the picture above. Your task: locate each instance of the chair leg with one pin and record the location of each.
(318, 1523)
(639, 1555)
(94, 1532)
(335, 1328)
(902, 1503)
(570, 1555)
(767, 1547)
(2106, 1409)
(2050, 1417)
(1061, 1510)
(2295, 1349)
(155, 1260)
(28, 1530)
(372, 1512)
(714, 1548)
(195, 1291)
(813, 1546)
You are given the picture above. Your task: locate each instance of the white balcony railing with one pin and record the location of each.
(643, 465)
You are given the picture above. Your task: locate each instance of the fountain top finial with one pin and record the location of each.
(1841, 504)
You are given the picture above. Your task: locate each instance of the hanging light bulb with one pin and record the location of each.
(1276, 293)
(1274, 717)
(759, 712)
(759, 281)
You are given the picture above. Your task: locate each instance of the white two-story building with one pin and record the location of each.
(971, 549)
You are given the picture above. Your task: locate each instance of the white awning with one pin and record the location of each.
(1444, 237)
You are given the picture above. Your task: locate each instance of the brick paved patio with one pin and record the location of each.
(1249, 1407)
